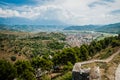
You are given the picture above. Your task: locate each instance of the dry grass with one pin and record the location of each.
(7, 56)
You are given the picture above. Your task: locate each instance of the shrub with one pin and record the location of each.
(7, 70)
(68, 67)
(24, 70)
(13, 58)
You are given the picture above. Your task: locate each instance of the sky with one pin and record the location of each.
(64, 12)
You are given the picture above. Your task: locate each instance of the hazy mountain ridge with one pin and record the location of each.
(32, 28)
(111, 28)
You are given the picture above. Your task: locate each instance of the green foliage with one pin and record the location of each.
(45, 64)
(7, 37)
(35, 44)
(7, 70)
(27, 75)
(66, 76)
(13, 58)
(68, 67)
(85, 52)
(48, 36)
(106, 55)
(115, 43)
(25, 70)
(56, 45)
(45, 77)
(38, 48)
(59, 36)
(65, 56)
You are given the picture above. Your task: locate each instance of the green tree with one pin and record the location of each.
(98, 47)
(115, 43)
(91, 50)
(56, 45)
(42, 63)
(84, 53)
(7, 70)
(66, 55)
(24, 70)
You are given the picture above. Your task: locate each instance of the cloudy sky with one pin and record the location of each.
(71, 12)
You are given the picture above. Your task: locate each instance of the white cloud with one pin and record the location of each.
(8, 13)
(16, 13)
(68, 11)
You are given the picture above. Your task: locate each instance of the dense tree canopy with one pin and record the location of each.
(44, 64)
(7, 70)
(25, 70)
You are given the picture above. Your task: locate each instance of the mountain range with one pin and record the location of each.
(32, 28)
(110, 28)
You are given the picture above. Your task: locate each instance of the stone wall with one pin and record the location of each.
(86, 73)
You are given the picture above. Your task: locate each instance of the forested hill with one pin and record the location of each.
(111, 28)
(84, 27)
(32, 28)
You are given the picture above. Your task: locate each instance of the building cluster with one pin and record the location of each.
(77, 39)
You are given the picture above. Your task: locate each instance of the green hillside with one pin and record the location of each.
(111, 28)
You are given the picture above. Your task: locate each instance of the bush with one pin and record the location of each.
(68, 67)
(44, 64)
(7, 70)
(24, 70)
(13, 58)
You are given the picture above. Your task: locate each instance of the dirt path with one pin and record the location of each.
(77, 66)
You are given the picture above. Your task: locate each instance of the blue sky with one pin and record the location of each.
(66, 12)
